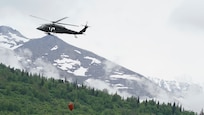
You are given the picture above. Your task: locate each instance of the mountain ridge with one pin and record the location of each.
(11, 38)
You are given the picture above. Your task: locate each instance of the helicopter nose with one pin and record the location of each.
(39, 28)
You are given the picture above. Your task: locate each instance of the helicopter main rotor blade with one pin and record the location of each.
(40, 18)
(55, 22)
(68, 24)
(59, 20)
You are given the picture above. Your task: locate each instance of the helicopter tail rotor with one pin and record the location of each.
(84, 29)
(86, 25)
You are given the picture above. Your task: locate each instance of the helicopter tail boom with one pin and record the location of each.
(83, 30)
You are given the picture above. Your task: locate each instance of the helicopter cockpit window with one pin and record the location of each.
(42, 26)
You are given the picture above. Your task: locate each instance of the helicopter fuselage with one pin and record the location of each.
(54, 28)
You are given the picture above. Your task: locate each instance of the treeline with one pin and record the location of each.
(22, 93)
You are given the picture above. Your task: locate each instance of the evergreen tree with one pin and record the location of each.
(201, 113)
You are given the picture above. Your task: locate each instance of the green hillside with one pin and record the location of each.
(24, 94)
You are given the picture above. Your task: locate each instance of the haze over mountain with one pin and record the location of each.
(52, 57)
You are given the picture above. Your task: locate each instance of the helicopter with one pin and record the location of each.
(56, 27)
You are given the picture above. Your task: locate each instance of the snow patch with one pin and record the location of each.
(70, 65)
(128, 77)
(120, 86)
(66, 63)
(17, 38)
(64, 56)
(94, 60)
(54, 48)
(79, 72)
(119, 73)
(11, 42)
(77, 51)
(167, 86)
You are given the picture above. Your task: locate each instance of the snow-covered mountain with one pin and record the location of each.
(86, 67)
(187, 93)
(177, 88)
(10, 38)
(52, 57)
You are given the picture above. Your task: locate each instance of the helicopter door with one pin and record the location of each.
(51, 29)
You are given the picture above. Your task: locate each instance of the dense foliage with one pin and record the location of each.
(24, 94)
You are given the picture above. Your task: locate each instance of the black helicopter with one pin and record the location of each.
(56, 27)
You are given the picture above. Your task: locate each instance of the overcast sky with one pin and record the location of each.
(156, 38)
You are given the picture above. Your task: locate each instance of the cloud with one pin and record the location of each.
(193, 98)
(38, 66)
(102, 85)
(25, 53)
(189, 14)
(24, 57)
(9, 58)
(45, 68)
(109, 67)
